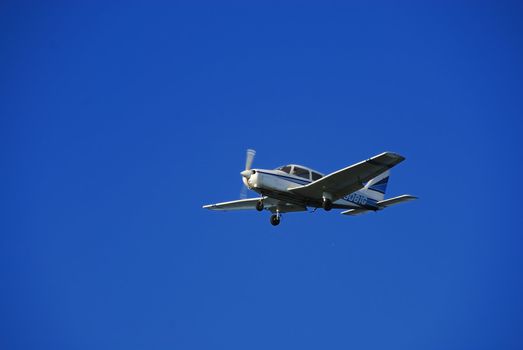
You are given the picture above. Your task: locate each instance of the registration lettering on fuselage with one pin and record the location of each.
(356, 198)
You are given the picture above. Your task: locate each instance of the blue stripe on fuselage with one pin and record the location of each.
(288, 178)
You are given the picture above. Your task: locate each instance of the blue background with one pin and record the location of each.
(119, 121)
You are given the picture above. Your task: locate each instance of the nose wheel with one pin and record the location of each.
(275, 219)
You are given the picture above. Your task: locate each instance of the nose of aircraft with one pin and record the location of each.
(246, 174)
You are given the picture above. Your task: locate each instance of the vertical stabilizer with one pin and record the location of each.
(377, 187)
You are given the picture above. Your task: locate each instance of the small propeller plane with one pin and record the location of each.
(358, 188)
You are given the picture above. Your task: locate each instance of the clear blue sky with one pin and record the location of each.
(118, 121)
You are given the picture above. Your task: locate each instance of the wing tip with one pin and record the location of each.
(395, 155)
(354, 212)
(408, 197)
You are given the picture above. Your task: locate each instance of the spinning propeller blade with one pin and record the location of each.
(248, 163)
(243, 192)
(250, 157)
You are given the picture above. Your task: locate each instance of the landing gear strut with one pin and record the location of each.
(326, 204)
(275, 219)
(259, 205)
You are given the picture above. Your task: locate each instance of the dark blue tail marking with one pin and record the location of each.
(380, 186)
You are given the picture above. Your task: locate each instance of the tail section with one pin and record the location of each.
(377, 187)
(381, 204)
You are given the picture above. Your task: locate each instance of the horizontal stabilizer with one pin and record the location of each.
(396, 200)
(354, 212)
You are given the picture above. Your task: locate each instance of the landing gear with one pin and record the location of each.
(326, 204)
(259, 205)
(275, 219)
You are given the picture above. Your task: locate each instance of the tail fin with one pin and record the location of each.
(377, 187)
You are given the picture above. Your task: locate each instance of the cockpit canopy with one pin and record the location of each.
(301, 171)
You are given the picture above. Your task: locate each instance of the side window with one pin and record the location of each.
(301, 172)
(316, 176)
(286, 169)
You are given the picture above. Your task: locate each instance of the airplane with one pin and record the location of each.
(359, 188)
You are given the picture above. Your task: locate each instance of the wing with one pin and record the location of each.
(245, 204)
(349, 179)
(240, 204)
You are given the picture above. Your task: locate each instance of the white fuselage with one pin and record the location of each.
(276, 184)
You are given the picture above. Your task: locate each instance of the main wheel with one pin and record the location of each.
(275, 220)
(327, 204)
(259, 205)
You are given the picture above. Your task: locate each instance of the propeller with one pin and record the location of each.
(250, 157)
(247, 172)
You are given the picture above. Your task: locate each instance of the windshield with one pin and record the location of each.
(285, 169)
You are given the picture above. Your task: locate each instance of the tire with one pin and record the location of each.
(259, 205)
(275, 220)
(327, 204)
